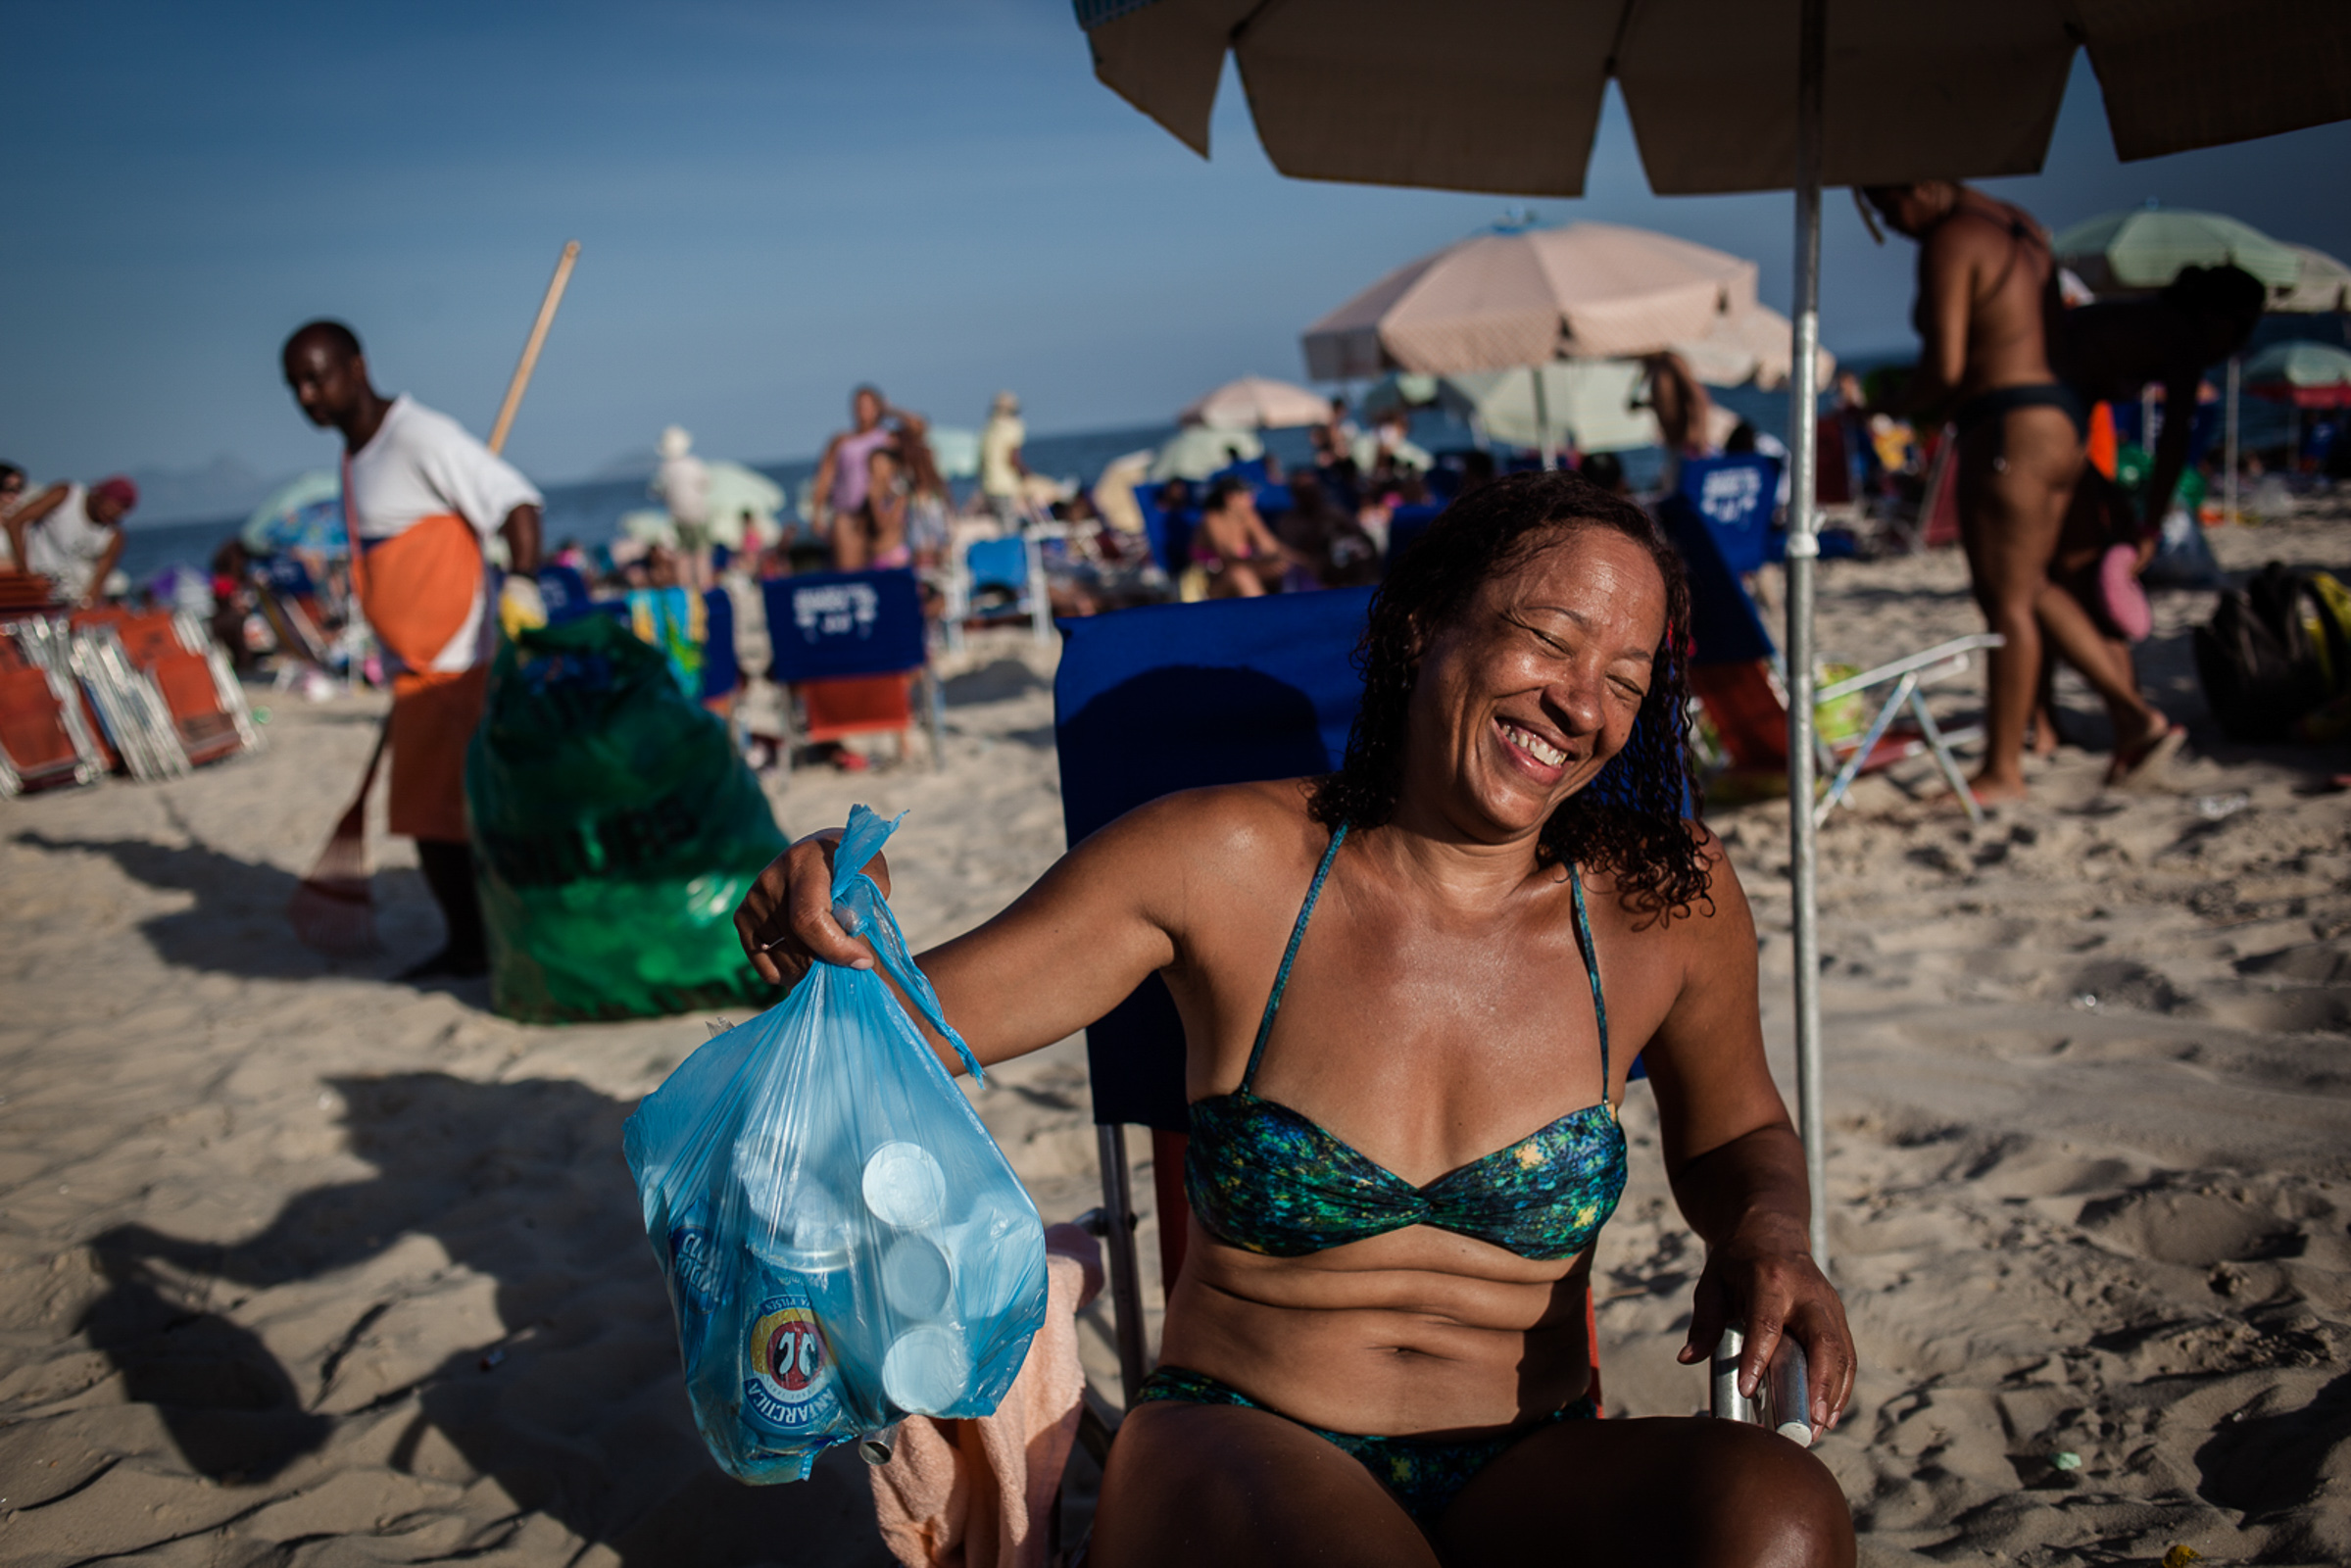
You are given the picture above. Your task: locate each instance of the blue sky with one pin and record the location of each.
(774, 200)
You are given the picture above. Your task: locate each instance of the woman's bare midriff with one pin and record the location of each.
(1417, 1331)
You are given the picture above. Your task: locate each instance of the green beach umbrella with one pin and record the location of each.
(2146, 246)
(2309, 375)
(2323, 286)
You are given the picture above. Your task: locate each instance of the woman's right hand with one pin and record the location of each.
(785, 920)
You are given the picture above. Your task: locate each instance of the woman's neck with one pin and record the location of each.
(1456, 863)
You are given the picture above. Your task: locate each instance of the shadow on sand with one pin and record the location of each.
(575, 1406)
(237, 924)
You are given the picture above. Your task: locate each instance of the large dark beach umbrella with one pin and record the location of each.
(1726, 95)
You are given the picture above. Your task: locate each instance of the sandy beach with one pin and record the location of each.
(298, 1265)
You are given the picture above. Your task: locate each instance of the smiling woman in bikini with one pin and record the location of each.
(1411, 991)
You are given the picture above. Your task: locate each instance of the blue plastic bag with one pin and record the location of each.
(844, 1243)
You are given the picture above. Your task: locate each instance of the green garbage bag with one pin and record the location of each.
(614, 830)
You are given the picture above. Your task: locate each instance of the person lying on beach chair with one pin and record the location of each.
(1376, 1351)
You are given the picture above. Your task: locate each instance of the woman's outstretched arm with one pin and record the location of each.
(1064, 953)
(1736, 1165)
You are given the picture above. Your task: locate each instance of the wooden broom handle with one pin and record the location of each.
(531, 350)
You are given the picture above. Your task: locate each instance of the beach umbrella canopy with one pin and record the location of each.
(304, 514)
(1585, 401)
(743, 505)
(2309, 375)
(955, 451)
(1759, 347)
(1496, 301)
(1257, 403)
(1196, 451)
(1504, 96)
(2323, 284)
(2145, 247)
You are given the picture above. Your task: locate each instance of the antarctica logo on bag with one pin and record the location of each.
(791, 1384)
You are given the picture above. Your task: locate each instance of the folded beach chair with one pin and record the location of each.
(126, 709)
(191, 674)
(45, 740)
(1735, 674)
(1147, 702)
(852, 647)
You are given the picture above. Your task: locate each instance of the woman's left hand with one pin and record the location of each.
(1763, 1276)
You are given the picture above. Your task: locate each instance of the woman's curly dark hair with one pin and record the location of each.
(1628, 819)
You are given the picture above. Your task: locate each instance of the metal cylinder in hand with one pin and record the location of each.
(1783, 1402)
(1728, 1404)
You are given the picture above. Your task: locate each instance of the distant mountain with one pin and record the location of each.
(225, 487)
(639, 464)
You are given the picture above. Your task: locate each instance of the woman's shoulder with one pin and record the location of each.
(1223, 827)
(1719, 913)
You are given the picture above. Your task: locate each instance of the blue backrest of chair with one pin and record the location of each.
(721, 672)
(288, 576)
(1735, 495)
(564, 591)
(1723, 622)
(998, 564)
(823, 626)
(1405, 526)
(1176, 697)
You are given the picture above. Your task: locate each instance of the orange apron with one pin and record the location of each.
(415, 590)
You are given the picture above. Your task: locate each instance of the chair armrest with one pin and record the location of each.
(1958, 648)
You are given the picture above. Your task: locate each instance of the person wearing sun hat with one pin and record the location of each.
(73, 535)
(1002, 470)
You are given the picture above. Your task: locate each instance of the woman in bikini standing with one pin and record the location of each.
(1986, 306)
(1376, 1350)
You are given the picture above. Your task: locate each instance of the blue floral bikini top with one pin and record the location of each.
(1264, 1178)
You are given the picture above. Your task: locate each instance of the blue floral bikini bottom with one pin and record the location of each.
(1425, 1473)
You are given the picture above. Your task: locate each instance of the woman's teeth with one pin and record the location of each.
(1535, 746)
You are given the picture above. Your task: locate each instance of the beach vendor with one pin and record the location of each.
(73, 535)
(1988, 307)
(423, 498)
(1411, 989)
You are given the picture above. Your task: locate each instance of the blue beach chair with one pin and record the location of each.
(850, 646)
(1167, 698)
(566, 594)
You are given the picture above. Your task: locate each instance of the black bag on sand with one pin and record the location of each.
(2260, 665)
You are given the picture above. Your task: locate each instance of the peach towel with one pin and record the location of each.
(975, 1493)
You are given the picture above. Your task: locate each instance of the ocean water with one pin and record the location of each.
(590, 511)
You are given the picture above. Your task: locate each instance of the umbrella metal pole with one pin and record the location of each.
(1543, 417)
(2228, 457)
(1803, 551)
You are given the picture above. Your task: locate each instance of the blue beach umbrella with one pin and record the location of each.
(305, 513)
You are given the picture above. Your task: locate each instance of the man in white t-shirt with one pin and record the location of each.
(423, 499)
(73, 536)
(1001, 466)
